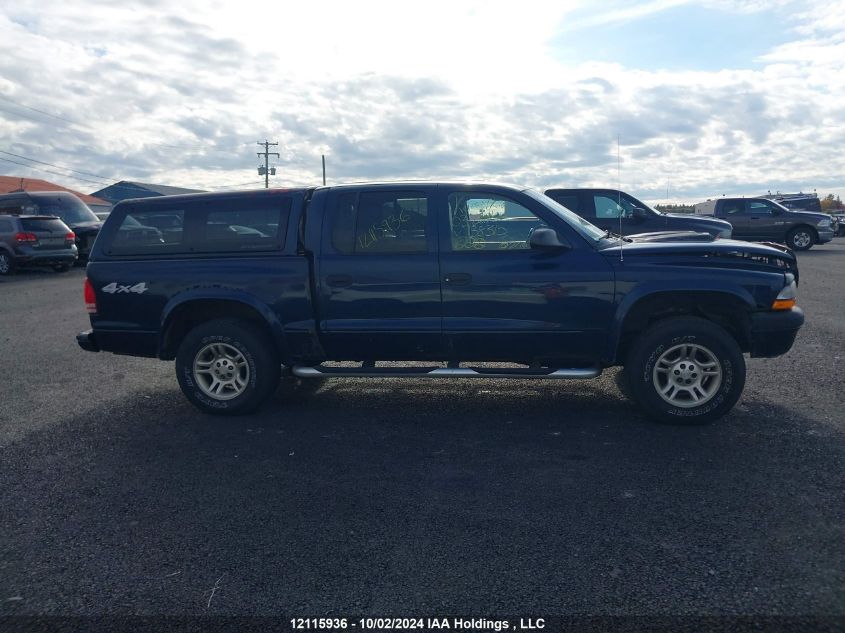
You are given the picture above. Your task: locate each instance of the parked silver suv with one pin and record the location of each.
(35, 240)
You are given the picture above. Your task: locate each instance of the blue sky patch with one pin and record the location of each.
(686, 37)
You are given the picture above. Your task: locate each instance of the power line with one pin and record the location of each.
(55, 116)
(242, 184)
(55, 173)
(26, 116)
(84, 173)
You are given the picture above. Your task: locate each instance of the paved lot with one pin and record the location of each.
(414, 497)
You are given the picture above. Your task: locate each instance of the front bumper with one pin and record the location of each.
(88, 341)
(773, 332)
(825, 235)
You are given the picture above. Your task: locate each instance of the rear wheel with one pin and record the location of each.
(686, 370)
(227, 367)
(801, 238)
(7, 264)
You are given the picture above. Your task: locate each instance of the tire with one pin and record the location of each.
(801, 238)
(61, 268)
(236, 351)
(7, 264)
(623, 384)
(688, 358)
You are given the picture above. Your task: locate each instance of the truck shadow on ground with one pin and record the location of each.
(391, 496)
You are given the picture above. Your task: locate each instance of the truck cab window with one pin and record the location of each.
(732, 207)
(381, 222)
(486, 222)
(612, 206)
(759, 207)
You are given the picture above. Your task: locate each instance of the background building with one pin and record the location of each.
(126, 189)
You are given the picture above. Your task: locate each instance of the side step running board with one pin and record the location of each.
(442, 372)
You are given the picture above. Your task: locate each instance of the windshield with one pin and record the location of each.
(72, 211)
(590, 231)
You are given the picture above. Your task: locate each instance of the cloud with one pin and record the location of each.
(180, 94)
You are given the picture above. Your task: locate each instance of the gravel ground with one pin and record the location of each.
(414, 497)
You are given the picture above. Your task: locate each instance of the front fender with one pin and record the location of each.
(651, 289)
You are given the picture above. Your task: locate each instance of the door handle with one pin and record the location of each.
(339, 281)
(457, 279)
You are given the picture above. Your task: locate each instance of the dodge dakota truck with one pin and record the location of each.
(446, 280)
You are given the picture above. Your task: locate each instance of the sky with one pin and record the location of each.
(669, 99)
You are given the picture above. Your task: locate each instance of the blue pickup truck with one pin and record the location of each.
(247, 289)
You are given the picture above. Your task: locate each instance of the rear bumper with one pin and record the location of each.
(772, 333)
(36, 257)
(88, 341)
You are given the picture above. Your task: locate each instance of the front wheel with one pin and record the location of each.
(227, 367)
(686, 370)
(801, 238)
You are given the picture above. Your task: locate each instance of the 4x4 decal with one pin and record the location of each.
(113, 288)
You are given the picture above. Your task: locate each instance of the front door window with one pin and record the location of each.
(488, 222)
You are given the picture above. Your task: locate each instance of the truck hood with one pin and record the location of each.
(808, 216)
(711, 252)
(671, 236)
(86, 227)
(690, 216)
(689, 222)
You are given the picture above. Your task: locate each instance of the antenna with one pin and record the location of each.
(619, 201)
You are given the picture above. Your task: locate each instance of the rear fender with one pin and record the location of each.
(238, 298)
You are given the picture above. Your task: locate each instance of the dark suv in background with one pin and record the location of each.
(603, 207)
(73, 212)
(35, 240)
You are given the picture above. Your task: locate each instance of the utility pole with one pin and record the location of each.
(267, 170)
(324, 169)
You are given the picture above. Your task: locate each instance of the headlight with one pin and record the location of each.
(824, 222)
(786, 297)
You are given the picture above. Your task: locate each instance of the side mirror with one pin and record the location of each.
(638, 213)
(545, 239)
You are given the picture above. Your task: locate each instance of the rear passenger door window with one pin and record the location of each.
(380, 222)
(731, 208)
(570, 202)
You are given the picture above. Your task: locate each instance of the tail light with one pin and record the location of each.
(71, 236)
(90, 297)
(26, 238)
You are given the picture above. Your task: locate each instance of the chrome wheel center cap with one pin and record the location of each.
(685, 373)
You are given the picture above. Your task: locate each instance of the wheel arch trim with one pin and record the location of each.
(242, 299)
(657, 290)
